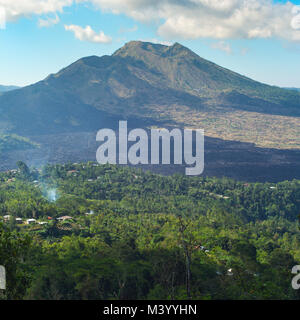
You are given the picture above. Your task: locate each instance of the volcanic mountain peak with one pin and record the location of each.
(138, 49)
(140, 80)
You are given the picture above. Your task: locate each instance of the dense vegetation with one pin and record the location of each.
(137, 235)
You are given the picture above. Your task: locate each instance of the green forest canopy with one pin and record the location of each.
(241, 239)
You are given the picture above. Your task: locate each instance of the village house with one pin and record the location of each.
(31, 221)
(230, 272)
(89, 213)
(6, 218)
(19, 220)
(73, 172)
(64, 218)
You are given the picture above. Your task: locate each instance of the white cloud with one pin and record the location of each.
(17, 8)
(223, 46)
(2, 18)
(48, 22)
(157, 41)
(218, 19)
(295, 23)
(88, 34)
(296, 10)
(187, 19)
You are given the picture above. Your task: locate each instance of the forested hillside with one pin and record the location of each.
(109, 232)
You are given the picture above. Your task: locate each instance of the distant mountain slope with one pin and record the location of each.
(8, 88)
(15, 142)
(295, 89)
(154, 83)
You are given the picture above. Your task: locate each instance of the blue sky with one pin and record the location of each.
(40, 39)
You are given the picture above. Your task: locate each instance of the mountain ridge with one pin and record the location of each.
(139, 51)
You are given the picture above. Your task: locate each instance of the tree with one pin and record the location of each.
(14, 250)
(24, 170)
